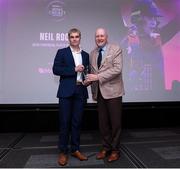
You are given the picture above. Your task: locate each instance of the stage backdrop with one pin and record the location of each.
(31, 32)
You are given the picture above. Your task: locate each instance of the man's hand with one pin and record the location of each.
(79, 68)
(86, 82)
(92, 77)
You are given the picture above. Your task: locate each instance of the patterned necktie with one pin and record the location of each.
(99, 58)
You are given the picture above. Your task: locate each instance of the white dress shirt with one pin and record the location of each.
(78, 61)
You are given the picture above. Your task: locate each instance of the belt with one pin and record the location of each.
(78, 83)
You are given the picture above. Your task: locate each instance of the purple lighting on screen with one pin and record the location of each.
(44, 70)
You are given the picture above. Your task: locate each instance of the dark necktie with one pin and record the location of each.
(99, 58)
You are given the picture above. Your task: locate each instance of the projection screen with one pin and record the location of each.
(32, 31)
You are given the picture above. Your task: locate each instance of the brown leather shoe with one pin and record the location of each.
(101, 155)
(63, 159)
(79, 156)
(114, 156)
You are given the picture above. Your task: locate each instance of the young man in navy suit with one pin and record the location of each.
(69, 64)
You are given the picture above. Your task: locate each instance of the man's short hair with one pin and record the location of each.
(74, 30)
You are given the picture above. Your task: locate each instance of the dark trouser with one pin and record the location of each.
(70, 117)
(110, 111)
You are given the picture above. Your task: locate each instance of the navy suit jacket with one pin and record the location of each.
(64, 66)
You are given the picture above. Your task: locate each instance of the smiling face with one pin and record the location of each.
(101, 37)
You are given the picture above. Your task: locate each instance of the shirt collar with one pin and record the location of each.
(77, 52)
(103, 48)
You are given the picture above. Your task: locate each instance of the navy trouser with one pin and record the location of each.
(70, 117)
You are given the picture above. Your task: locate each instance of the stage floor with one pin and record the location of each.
(140, 148)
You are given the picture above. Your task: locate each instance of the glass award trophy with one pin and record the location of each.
(85, 72)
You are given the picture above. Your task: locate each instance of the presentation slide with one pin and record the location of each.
(32, 31)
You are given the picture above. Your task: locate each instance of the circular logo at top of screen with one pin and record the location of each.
(56, 10)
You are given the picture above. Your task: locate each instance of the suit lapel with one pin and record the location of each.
(83, 58)
(104, 56)
(70, 56)
(95, 67)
